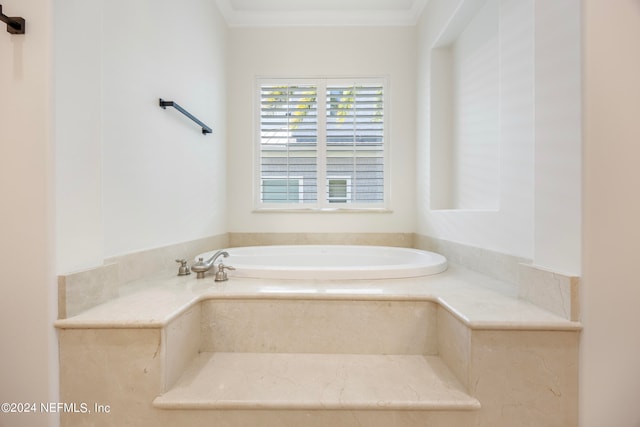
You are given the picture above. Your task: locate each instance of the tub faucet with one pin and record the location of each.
(201, 267)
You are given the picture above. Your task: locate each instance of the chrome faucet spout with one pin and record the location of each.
(202, 266)
(215, 256)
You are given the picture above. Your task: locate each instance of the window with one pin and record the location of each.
(322, 131)
(276, 190)
(339, 190)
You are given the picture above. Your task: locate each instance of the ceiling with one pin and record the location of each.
(272, 13)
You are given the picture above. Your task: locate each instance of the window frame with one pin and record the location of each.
(322, 202)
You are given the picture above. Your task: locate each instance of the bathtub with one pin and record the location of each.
(331, 262)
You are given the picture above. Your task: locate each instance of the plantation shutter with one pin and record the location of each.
(322, 152)
(288, 143)
(355, 142)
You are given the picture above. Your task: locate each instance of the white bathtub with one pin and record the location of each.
(331, 262)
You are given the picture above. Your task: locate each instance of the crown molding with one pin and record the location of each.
(328, 17)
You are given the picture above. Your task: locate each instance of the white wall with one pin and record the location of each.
(464, 126)
(326, 51)
(28, 293)
(134, 176)
(508, 229)
(78, 115)
(558, 135)
(476, 111)
(610, 344)
(540, 175)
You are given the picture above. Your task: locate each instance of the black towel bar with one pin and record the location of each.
(164, 104)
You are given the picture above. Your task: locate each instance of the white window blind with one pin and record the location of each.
(322, 144)
(355, 139)
(288, 143)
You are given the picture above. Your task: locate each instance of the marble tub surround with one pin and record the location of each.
(81, 290)
(404, 240)
(492, 359)
(122, 368)
(246, 325)
(495, 264)
(475, 299)
(521, 377)
(491, 342)
(161, 261)
(553, 291)
(525, 377)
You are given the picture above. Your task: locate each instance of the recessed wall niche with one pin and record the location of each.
(464, 111)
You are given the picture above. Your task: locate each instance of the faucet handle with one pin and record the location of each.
(221, 274)
(183, 270)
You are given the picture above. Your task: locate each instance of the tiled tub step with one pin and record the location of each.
(317, 382)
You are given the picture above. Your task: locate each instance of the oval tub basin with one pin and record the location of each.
(330, 262)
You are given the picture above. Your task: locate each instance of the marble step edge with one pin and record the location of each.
(335, 389)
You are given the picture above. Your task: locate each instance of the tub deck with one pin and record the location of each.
(477, 300)
(456, 348)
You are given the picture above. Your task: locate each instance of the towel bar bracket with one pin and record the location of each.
(15, 25)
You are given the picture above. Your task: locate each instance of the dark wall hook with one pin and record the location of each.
(15, 25)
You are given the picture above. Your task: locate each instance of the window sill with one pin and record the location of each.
(322, 210)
